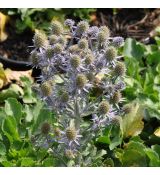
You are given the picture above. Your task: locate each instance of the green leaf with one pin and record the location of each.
(9, 127)
(108, 162)
(100, 153)
(133, 49)
(153, 156)
(29, 96)
(115, 142)
(13, 108)
(156, 148)
(29, 113)
(2, 149)
(133, 158)
(7, 164)
(136, 146)
(104, 139)
(13, 91)
(49, 162)
(153, 58)
(27, 162)
(44, 115)
(132, 124)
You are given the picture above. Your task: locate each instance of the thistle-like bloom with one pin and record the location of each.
(71, 136)
(69, 22)
(117, 41)
(81, 76)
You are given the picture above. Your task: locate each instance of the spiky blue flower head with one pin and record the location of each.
(56, 28)
(93, 31)
(82, 27)
(49, 52)
(104, 107)
(101, 37)
(110, 53)
(58, 48)
(118, 41)
(75, 61)
(81, 80)
(106, 30)
(35, 58)
(40, 39)
(62, 40)
(116, 97)
(46, 88)
(120, 69)
(69, 22)
(53, 39)
(89, 59)
(83, 43)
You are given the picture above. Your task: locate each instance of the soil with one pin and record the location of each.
(135, 23)
(16, 46)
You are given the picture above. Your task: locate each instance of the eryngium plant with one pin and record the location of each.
(86, 61)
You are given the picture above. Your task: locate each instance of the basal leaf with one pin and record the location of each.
(153, 156)
(9, 127)
(13, 108)
(133, 48)
(2, 149)
(133, 158)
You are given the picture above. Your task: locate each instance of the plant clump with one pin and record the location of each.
(82, 75)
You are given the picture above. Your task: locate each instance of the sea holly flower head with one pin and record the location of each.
(82, 75)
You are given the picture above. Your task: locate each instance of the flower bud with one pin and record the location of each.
(49, 52)
(71, 133)
(83, 44)
(93, 31)
(62, 40)
(117, 41)
(110, 53)
(82, 27)
(101, 37)
(56, 28)
(45, 128)
(81, 80)
(116, 97)
(57, 48)
(75, 61)
(106, 30)
(53, 39)
(46, 88)
(64, 97)
(74, 49)
(34, 58)
(69, 22)
(40, 39)
(104, 107)
(120, 69)
(89, 59)
(57, 132)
